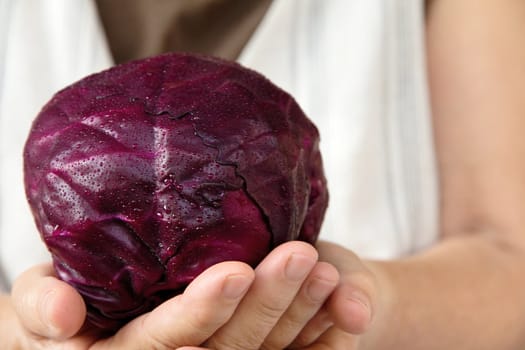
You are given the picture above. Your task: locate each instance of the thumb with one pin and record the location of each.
(46, 306)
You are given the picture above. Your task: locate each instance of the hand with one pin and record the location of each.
(353, 304)
(51, 313)
(286, 289)
(356, 303)
(273, 315)
(289, 290)
(273, 309)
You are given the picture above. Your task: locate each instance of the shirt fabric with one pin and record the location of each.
(357, 68)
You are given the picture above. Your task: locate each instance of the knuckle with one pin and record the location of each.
(269, 313)
(158, 343)
(206, 318)
(293, 321)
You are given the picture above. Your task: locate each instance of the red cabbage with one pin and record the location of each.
(143, 175)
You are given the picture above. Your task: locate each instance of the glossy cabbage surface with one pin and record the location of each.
(142, 176)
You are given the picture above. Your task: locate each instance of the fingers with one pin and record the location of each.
(278, 280)
(352, 304)
(335, 339)
(46, 306)
(315, 327)
(189, 318)
(350, 309)
(318, 286)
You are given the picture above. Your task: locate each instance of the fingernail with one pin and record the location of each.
(298, 266)
(235, 286)
(361, 299)
(319, 289)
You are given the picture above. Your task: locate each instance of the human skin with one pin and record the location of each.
(45, 313)
(465, 292)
